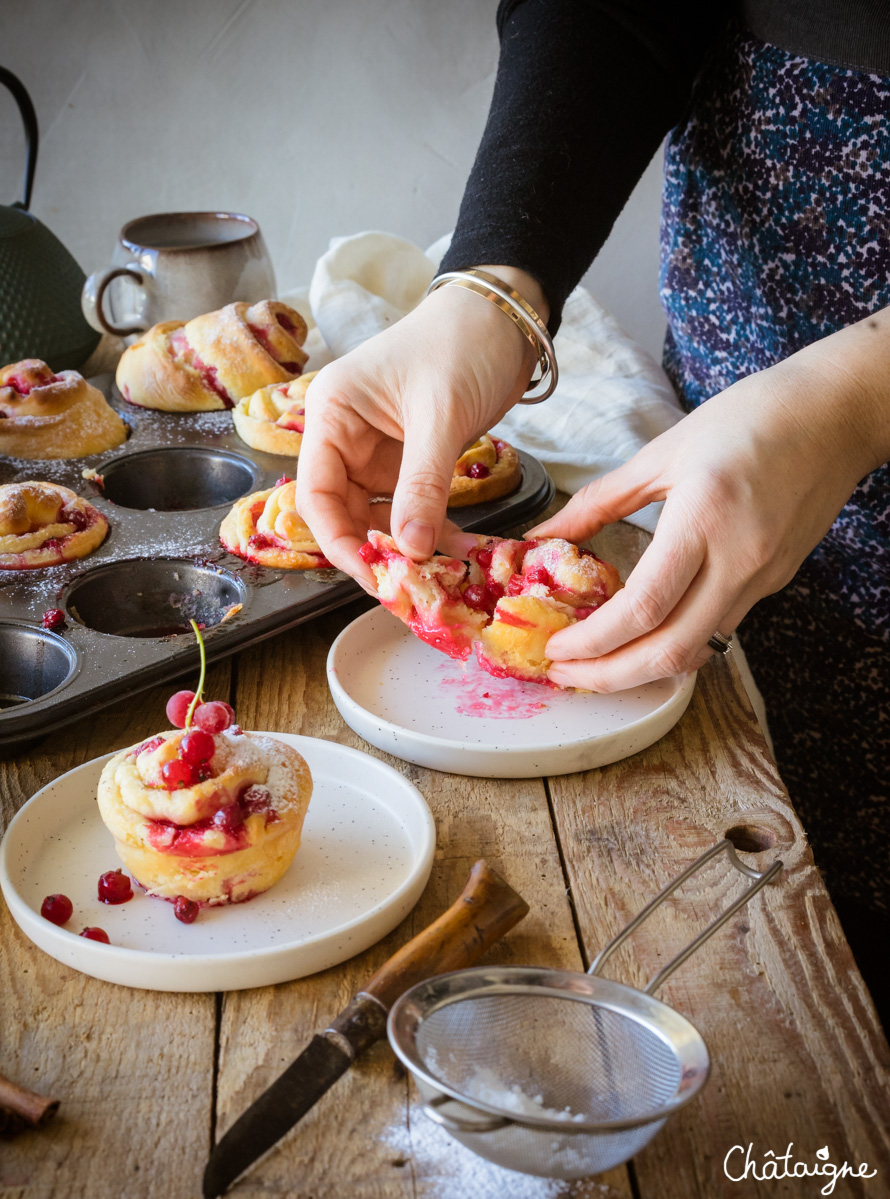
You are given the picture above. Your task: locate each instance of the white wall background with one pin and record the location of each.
(317, 117)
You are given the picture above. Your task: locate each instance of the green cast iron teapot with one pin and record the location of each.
(40, 282)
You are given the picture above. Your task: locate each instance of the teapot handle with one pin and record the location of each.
(29, 120)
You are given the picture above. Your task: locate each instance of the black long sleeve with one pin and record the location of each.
(584, 94)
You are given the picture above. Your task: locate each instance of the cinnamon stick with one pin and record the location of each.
(21, 1108)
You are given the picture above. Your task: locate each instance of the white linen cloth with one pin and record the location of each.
(612, 396)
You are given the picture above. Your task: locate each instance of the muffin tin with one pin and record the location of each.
(127, 606)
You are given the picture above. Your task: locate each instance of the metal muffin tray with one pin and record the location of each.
(128, 605)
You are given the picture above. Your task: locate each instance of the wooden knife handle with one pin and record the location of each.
(487, 908)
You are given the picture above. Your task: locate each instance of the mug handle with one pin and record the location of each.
(93, 295)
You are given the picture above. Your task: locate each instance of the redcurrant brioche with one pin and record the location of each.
(272, 419)
(506, 601)
(45, 415)
(266, 528)
(214, 360)
(489, 469)
(45, 524)
(222, 836)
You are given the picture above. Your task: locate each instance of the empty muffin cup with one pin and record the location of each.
(152, 597)
(33, 664)
(179, 479)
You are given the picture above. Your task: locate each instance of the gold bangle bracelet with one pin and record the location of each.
(523, 316)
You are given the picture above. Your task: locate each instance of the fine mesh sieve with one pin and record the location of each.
(551, 1072)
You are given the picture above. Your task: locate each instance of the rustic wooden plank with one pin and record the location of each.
(798, 1052)
(133, 1069)
(365, 1138)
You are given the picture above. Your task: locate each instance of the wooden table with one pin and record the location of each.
(149, 1081)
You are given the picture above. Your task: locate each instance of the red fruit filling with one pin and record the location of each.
(21, 385)
(229, 819)
(115, 887)
(511, 618)
(178, 706)
(478, 471)
(53, 618)
(286, 323)
(189, 842)
(149, 746)
(178, 774)
(213, 717)
(293, 421)
(370, 554)
(284, 479)
(185, 910)
(540, 574)
(266, 342)
(180, 348)
(483, 597)
(75, 516)
(257, 799)
(211, 381)
(197, 747)
(96, 934)
(57, 909)
(483, 557)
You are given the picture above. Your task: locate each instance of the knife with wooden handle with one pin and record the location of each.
(487, 908)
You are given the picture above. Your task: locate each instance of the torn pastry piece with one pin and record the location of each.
(505, 602)
(45, 415)
(272, 419)
(489, 469)
(228, 834)
(214, 360)
(45, 524)
(266, 528)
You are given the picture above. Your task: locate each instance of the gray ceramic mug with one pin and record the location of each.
(176, 265)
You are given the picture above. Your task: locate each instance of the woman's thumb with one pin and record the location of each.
(422, 492)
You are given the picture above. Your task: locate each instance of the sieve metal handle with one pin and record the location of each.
(455, 1123)
(761, 879)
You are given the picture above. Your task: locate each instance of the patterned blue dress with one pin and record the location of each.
(775, 233)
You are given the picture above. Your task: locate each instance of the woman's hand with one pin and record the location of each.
(393, 416)
(752, 481)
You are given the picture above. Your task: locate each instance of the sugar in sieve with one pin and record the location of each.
(551, 1072)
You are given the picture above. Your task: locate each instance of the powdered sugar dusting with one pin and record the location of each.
(444, 1169)
(282, 780)
(477, 693)
(486, 1084)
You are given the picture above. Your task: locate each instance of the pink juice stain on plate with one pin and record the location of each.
(480, 694)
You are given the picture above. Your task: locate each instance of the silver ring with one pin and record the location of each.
(380, 499)
(720, 643)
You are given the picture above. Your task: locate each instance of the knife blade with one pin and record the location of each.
(487, 908)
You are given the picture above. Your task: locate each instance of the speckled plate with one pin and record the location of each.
(414, 702)
(366, 855)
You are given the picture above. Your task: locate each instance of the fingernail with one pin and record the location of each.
(367, 587)
(418, 538)
(561, 680)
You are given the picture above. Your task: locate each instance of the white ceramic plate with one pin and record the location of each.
(366, 855)
(414, 702)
